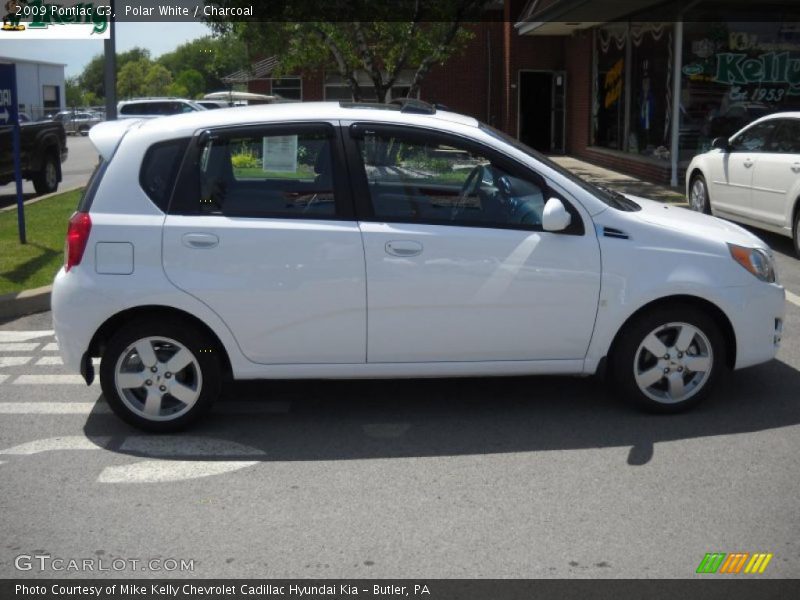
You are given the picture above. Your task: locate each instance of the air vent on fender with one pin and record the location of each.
(618, 234)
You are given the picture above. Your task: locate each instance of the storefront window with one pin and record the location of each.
(732, 74)
(636, 120)
(609, 102)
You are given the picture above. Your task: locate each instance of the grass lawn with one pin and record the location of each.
(36, 263)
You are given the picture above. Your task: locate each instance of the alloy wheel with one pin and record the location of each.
(673, 362)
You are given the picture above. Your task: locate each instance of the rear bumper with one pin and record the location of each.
(74, 318)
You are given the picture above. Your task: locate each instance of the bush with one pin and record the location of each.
(245, 160)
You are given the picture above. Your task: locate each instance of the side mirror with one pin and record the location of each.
(555, 216)
(721, 143)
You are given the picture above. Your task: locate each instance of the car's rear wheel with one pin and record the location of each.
(159, 375)
(669, 359)
(83, 130)
(698, 195)
(796, 232)
(46, 180)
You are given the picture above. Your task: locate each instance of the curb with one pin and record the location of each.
(26, 302)
(45, 197)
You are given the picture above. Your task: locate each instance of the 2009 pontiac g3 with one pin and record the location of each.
(340, 240)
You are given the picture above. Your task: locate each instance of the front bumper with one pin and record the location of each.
(756, 313)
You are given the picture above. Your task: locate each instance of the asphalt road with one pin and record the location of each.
(75, 171)
(521, 477)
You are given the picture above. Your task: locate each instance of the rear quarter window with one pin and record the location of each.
(160, 167)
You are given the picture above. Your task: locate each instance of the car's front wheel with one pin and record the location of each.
(160, 375)
(796, 232)
(669, 359)
(698, 195)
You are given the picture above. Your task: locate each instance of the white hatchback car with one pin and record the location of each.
(327, 240)
(753, 177)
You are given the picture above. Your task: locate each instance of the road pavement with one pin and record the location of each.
(518, 477)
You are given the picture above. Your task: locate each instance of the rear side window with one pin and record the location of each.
(160, 168)
(257, 174)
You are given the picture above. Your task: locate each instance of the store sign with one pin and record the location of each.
(736, 68)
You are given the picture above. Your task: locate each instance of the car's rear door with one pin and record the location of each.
(776, 176)
(458, 266)
(732, 173)
(261, 230)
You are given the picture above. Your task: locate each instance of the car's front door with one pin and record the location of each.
(458, 266)
(776, 177)
(261, 230)
(732, 171)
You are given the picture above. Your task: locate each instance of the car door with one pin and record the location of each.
(458, 266)
(732, 174)
(776, 175)
(261, 230)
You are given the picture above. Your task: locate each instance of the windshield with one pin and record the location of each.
(604, 194)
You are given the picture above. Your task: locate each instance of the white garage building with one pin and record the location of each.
(40, 86)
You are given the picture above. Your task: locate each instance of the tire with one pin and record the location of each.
(699, 199)
(46, 180)
(128, 381)
(697, 355)
(84, 131)
(796, 233)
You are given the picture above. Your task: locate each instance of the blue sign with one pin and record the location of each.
(9, 116)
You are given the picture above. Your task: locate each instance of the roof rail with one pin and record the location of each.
(413, 105)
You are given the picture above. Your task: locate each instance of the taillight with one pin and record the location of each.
(80, 224)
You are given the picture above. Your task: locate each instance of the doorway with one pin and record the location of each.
(541, 110)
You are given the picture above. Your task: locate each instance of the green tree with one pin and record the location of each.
(91, 79)
(157, 80)
(73, 92)
(192, 82)
(406, 34)
(211, 57)
(131, 79)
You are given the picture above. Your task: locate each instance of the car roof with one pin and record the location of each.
(299, 111)
(791, 114)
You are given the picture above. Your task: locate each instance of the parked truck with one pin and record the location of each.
(43, 147)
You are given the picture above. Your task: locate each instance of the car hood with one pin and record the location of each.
(689, 222)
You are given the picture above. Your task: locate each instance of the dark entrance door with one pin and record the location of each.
(541, 110)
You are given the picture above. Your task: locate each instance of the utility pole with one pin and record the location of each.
(110, 69)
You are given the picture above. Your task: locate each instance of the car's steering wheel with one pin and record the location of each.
(469, 187)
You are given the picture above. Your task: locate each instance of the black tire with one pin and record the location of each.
(626, 359)
(46, 179)
(700, 205)
(198, 343)
(84, 131)
(796, 232)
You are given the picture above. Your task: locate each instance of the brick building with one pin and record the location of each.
(553, 75)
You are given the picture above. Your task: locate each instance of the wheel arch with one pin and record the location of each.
(714, 311)
(113, 323)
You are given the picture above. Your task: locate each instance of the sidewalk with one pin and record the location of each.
(620, 182)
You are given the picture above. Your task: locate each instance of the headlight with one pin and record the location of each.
(759, 262)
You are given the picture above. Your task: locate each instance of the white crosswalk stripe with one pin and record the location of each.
(51, 347)
(14, 361)
(49, 360)
(49, 380)
(18, 346)
(24, 336)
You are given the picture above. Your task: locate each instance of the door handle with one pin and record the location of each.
(796, 167)
(747, 163)
(200, 240)
(403, 248)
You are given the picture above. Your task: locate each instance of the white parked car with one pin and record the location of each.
(327, 240)
(753, 177)
(150, 108)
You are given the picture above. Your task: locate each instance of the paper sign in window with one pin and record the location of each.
(280, 153)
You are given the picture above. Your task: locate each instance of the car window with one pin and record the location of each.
(412, 180)
(786, 138)
(267, 175)
(159, 169)
(753, 139)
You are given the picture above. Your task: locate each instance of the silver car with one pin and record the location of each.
(78, 122)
